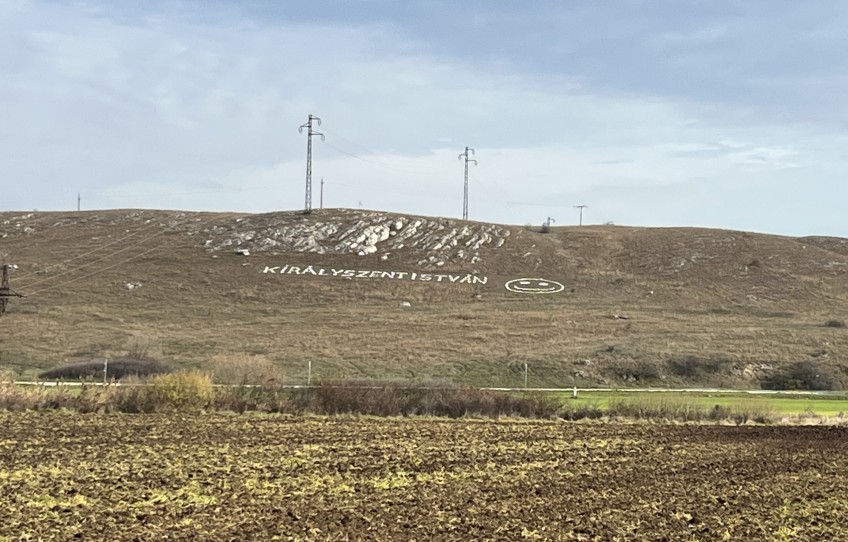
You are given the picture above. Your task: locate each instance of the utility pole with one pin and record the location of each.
(321, 200)
(79, 200)
(469, 152)
(5, 291)
(307, 208)
(581, 207)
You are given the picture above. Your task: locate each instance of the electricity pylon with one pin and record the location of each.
(5, 291)
(307, 208)
(469, 152)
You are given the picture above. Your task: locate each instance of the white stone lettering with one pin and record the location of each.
(316, 271)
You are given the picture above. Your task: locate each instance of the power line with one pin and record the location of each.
(413, 162)
(102, 247)
(131, 258)
(381, 164)
(309, 133)
(468, 152)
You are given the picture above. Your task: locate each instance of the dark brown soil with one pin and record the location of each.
(119, 477)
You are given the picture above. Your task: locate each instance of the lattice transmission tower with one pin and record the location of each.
(307, 207)
(6, 292)
(469, 152)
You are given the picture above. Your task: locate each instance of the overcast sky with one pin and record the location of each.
(713, 113)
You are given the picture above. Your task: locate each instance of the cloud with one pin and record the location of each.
(196, 106)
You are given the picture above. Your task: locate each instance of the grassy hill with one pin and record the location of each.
(359, 294)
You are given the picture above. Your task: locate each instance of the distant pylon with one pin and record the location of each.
(581, 207)
(307, 207)
(469, 152)
(5, 291)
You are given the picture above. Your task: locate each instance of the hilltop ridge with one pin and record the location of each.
(368, 294)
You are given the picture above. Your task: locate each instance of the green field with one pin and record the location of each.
(779, 404)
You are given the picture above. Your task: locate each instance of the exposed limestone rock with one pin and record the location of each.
(362, 233)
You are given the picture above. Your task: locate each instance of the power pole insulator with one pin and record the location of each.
(469, 152)
(307, 208)
(5, 291)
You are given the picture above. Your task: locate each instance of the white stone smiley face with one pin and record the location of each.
(534, 286)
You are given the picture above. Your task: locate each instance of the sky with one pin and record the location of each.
(708, 113)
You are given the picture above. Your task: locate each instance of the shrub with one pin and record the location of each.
(115, 369)
(803, 375)
(676, 409)
(694, 366)
(267, 398)
(407, 399)
(175, 392)
(244, 369)
(834, 323)
(580, 412)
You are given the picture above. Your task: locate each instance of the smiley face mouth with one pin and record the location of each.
(534, 286)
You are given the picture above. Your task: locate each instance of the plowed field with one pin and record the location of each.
(138, 477)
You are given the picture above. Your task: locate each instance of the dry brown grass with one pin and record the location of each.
(241, 368)
(685, 292)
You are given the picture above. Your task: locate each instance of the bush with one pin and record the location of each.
(581, 412)
(115, 370)
(244, 369)
(803, 375)
(695, 367)
(271, 398)
(834, 323)
(174, 392)
(675, 409)
(408, 399)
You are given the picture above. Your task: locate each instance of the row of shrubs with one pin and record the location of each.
(193, 392)
(801, 375)
(676, 410)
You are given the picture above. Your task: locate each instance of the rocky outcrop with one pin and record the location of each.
(433, 241)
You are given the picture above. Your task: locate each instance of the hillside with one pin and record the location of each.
(377, 295)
